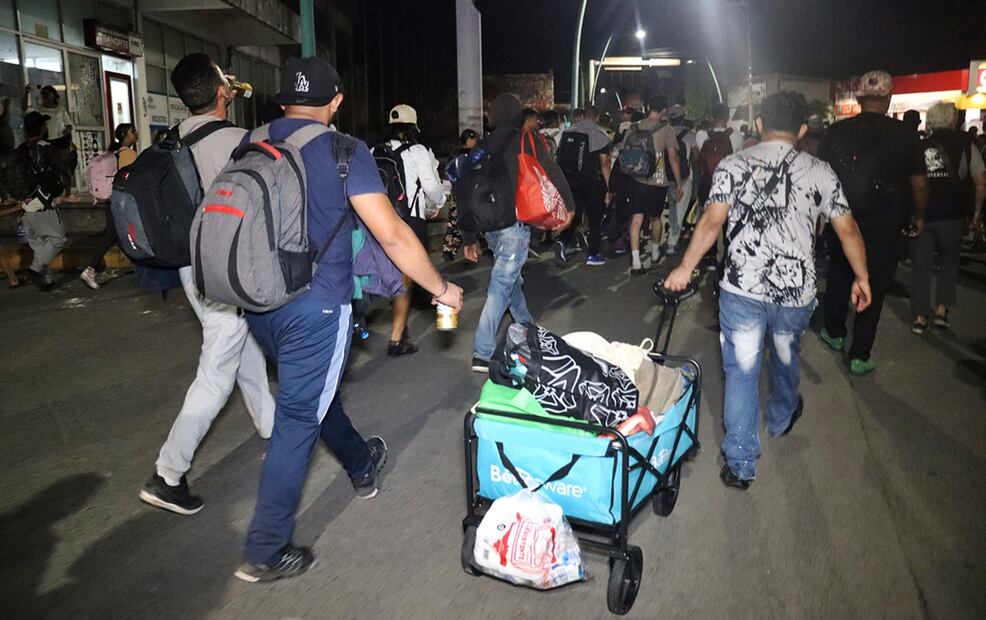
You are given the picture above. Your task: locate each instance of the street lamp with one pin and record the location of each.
(640, 34)
(576, 60)
(744, 6)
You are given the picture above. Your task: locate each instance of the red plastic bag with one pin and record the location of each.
(539, 203)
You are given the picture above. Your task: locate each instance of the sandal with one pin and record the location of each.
(941, 320)
(918, 327)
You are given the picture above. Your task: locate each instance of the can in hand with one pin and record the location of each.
(447, 319)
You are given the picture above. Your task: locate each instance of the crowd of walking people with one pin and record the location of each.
(756, 206)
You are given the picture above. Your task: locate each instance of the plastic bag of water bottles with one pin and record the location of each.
(525, 539)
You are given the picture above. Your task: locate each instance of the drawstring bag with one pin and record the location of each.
(539, 203)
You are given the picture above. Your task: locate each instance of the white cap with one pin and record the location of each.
(403, 113)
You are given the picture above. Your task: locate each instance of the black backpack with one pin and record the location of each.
(575, 160)
(484, 194)
(859, 164)
(155, 198)
(683, 164)
(30, 170)
(390, 165)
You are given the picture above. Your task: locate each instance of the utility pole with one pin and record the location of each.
(744, 6)
(469, 54)
(577, 56)
(306, 11)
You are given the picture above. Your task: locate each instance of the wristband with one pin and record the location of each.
(435, 298)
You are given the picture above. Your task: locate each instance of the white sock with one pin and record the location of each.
(635, 258)
(171, 482)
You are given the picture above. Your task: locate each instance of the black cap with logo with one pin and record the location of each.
(308, 81)
(34, 122)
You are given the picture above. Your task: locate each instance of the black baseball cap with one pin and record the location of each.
(34, 121)
(308, 81)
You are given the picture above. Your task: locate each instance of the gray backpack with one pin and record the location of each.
(250, 235)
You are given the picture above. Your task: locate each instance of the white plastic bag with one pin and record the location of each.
(525, 539)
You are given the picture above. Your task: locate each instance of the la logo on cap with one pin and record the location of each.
(300, 83)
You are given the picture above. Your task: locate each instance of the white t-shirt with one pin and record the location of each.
(771, 257)
(735, 138)
(421, 166)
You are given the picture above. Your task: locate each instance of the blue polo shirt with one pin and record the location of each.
(326, 204)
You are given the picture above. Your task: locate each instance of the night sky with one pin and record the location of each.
(823, 38)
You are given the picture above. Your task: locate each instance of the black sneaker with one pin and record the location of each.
(294, 561)
(38, 279)
(732, 480)
(480, 365)
(178, 500)
(800, 409)
(366, 488)
(637, 271)
(401, 347)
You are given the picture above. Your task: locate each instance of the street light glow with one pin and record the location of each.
(640, 34)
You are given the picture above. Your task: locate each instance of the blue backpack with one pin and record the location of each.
(373, 271)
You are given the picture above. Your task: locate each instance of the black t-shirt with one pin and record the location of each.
(897, 147)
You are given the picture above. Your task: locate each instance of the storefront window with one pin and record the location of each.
(153, 43)
(86, 90)
(7, 14)
(174, 47)
(73, 12)
(157, 80)
(10, 80)
(44, 67)
(40, 18)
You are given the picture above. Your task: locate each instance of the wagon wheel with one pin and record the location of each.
(466, 554)
(624, 580)
(665, 499)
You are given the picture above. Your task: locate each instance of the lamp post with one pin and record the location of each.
(576, 57)
(744, 6)
(306, 11)
(640, 34)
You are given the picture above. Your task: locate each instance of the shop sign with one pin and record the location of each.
(113, 40)
(157, 109)
(977, 77)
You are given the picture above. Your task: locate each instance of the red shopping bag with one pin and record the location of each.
(539, 203)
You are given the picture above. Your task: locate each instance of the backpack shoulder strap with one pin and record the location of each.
(204, 131)
(302, 136)
(261, 133)
(343, 147)
(767, 190)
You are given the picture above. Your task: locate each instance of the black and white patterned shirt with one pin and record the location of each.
(771, 257)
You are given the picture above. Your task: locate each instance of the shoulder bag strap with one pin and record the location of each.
(300, 137)
(204, 131)
(767, 190)
(343, 148)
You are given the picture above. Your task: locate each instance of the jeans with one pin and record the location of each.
(509, 247)
(310, 340)
(230, 356)
(945, 236)
(744, 323)
(676, 214)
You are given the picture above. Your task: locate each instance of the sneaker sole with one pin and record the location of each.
(157, 502)
(483, 369)
(386, 453)
(247, 577)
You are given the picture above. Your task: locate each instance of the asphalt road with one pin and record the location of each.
(873, 507)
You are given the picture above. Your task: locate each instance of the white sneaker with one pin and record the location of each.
(89, 277)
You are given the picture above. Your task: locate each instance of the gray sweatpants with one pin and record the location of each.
(944, 237)
(45, 235)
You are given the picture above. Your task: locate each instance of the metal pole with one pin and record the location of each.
(307, 14)
(749, 68)
(714, 78)
(469, 65)
(599, 68)
(577, 56)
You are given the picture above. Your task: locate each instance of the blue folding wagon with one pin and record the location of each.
(599, 481)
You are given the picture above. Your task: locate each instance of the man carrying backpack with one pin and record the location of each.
(685, 140)
(230, 356)
(45, 232)
(509, 244)
(713, 146)
(410, 172)
(310, 335)
(880, 163)
(644, 149)
(584, 159)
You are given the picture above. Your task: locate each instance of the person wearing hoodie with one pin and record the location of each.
(509, 245)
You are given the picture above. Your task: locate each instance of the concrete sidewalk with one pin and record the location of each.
(873, 507)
